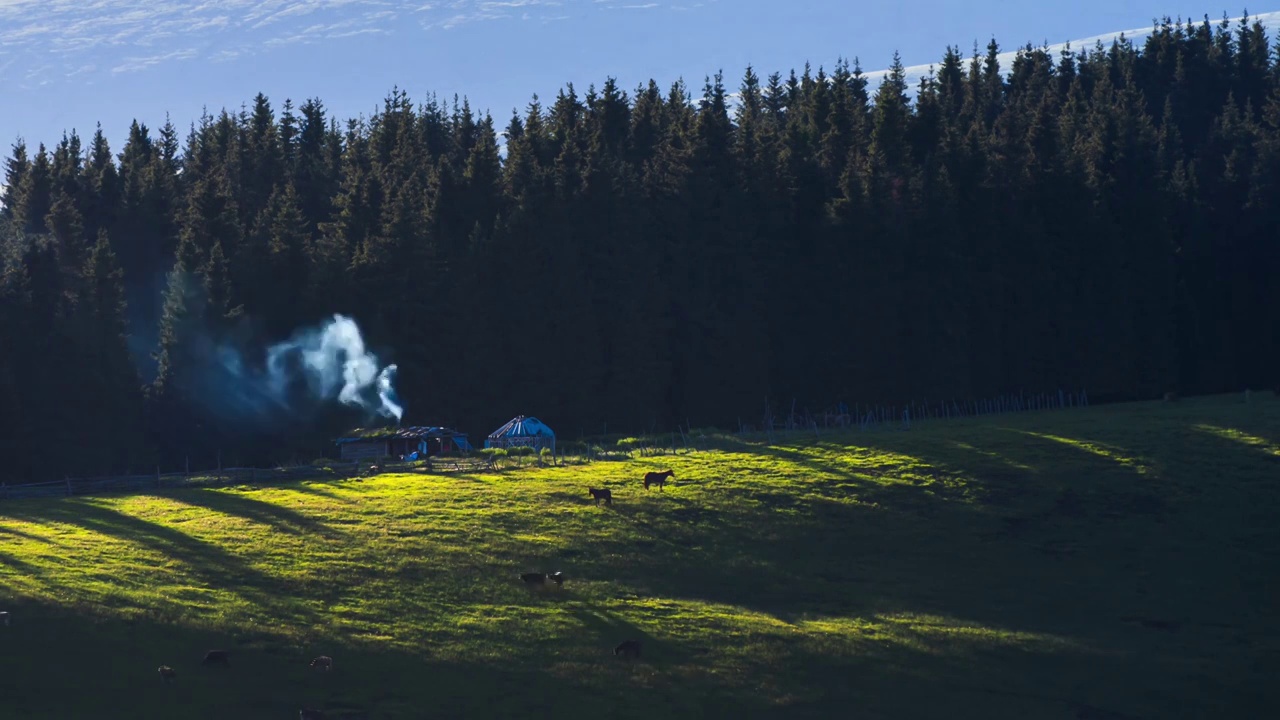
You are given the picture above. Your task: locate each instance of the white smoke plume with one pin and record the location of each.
(335, 361)
(317, 365)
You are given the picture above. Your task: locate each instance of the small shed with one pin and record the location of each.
(410, 442)
(522, 431)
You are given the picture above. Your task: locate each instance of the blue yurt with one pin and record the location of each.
(522, 431)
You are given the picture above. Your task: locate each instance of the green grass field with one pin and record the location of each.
(1114, 562)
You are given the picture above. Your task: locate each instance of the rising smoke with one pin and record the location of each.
(335, 359)
(316, 366)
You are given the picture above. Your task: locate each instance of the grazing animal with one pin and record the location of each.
(167, 673)
(5, 617)
(599, 495)
(324, 662)
(542, 578)
(309, 714)
(628, 648)
(217, 657)
(657, 478)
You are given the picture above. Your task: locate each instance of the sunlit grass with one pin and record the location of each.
(1241, 437)
(985, 568)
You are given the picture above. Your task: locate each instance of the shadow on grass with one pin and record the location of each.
(578, 677)
(21, 566)
(206, 562)
(26, 535)
(276, 516)
(322, 488)
(1007, 529)
(392, 685)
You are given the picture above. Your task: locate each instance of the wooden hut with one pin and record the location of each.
(407, 442)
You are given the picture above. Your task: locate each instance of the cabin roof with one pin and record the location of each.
(416, 432)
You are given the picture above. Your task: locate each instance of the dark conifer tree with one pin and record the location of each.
(1100, 218)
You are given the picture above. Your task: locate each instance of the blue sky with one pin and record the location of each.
(72, 63)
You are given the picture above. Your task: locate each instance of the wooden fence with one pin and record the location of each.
(843, 417)
(905, 415)
(162, 481)
(234, 476)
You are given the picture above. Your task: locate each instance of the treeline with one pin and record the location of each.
(1106, 219)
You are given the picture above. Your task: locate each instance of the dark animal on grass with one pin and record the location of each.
(309, 714)
(628, 648)
(599, 495)
(167, 673)
(217, 657)
(324, 662)
(657, 478)
(542, 578)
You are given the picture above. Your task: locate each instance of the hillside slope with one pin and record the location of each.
(1110, 562)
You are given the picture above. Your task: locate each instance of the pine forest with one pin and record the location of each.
(639, 259)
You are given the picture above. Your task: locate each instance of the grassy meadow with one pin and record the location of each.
(1112, 562)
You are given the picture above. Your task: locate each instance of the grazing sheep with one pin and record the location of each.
(658, 478)
(217, 657)
(324, 662)
(167, 673)
(628, 648)
(5, 617)
(309, 714)
(599, 495)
